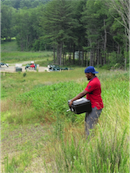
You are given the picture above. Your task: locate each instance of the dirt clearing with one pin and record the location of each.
(30, 139)
(11, 69)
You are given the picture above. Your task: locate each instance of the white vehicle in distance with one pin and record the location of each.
(4, 65)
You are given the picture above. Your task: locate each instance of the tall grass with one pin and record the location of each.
(17, 164)
(99, 155)
(9, 46)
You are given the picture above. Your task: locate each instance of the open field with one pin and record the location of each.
(37, 129)
(17, 57)
(11, 56)
(38, 135)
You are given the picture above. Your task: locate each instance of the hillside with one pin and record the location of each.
(36, 127)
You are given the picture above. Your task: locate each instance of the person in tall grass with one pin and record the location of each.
(93, 93)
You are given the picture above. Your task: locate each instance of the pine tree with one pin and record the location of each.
(57, 23)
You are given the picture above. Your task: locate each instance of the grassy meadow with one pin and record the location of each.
(10, 54)
(39, 135)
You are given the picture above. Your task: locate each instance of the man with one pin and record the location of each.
(93, 93)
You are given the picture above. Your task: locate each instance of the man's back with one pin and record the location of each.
(94, 89)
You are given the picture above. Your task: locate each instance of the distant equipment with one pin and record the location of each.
(56, 68)
(32, 66)
(3, 64)
(18, 67)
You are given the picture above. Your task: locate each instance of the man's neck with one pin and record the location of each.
(93, 76)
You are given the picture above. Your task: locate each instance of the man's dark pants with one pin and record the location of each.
(91, 119)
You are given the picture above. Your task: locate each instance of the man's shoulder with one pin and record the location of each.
(95, 81)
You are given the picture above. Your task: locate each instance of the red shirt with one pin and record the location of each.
(94, 89)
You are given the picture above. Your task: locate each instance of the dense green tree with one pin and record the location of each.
(78, 40)
(94, 23)
(26, 26)
(122, 8)
(12, 3)
(7, 22)
(57, 22)
(24, 3)
(99, 32)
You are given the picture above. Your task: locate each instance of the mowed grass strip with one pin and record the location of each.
(11, 54)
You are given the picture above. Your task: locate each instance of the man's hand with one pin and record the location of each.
(70, 103)
(80, 95)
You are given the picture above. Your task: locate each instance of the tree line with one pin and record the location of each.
(17, 4)
(91, 28)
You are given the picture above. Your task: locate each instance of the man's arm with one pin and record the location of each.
(80, 95)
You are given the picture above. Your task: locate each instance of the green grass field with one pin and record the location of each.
(39, 135)
(10, 54)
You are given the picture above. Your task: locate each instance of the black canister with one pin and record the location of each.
(80, 106)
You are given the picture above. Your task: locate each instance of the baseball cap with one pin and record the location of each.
(90, 69)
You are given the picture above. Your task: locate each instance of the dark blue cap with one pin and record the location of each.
(90, 69)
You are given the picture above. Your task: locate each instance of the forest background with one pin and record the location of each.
(94, 29)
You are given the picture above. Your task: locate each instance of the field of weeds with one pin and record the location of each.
(39, 135)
